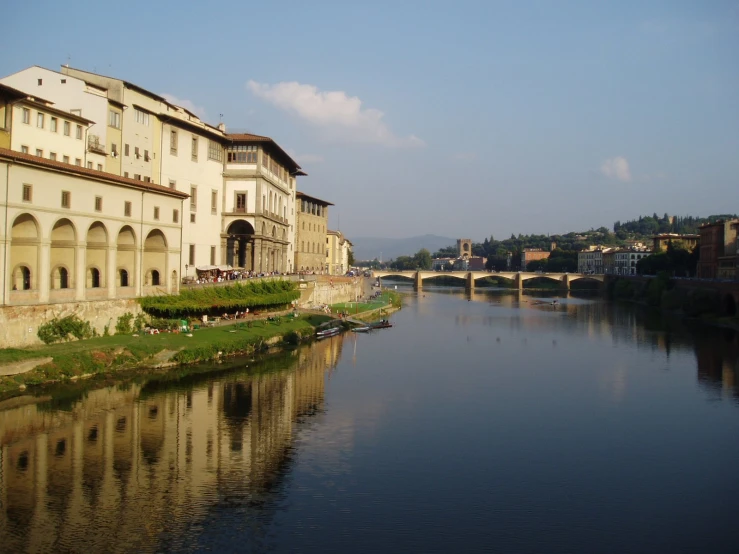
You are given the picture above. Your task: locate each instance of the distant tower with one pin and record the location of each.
(464, 248)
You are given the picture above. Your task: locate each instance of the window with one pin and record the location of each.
(79, 132)
(114, 119)
(212, 255)
(52, 156)
(53, 124)
(39, 153)
(242, 154)
(66, 198)
(40, 82)
(89, 165)
(192, 254)
(64, 81)
(137, 176)
(65, 159)
(26, 116)
(147, 179)
(215, 152)
(175, 216)
(27, 193)
(114, 149)
(25, 275)
(127, 209)
(141, 117)
(156, 212)
(93, 278)
(173, 184)
(63, 278)
(155, 277)
(193, 197)
(192, 218)
(98, 203)
(194, 149)
(125, 174)
(146, 155)
(173, 143)
(100, 167)
(125, 149)
(123, 274)
(24, 149)
(241, 202)
(66, 128)
(214, 202)
(136, 152)
(40, 120)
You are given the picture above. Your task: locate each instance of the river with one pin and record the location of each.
(495, 422)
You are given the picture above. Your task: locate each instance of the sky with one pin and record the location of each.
(461, 119)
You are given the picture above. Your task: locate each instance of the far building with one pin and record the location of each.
(310, 235)
(464, 248)
(533, 254)
(688, 241)
(591, 260)
(718, 250)
(337, 253)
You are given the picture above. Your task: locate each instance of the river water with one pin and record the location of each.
(494, 422)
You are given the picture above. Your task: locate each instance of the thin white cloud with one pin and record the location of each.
(187, 104)
(616, 168)
(334, 111)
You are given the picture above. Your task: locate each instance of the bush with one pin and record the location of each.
(216, 300)
(64, 329)
(123, 325)
(292, 338)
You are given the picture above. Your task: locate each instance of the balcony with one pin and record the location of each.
(94, 145)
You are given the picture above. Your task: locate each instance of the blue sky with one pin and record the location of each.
(454, 118)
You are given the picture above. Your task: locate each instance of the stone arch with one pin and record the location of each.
(155, 257)
(264, 228)
(239, 244)
(60, 277)
(126, 256)
(274, 232)
(25, 238)
(63, 251)
(97, 254)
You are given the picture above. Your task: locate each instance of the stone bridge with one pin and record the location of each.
(469, 277)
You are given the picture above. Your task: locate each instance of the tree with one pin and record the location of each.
(351, 258)
(422, 259)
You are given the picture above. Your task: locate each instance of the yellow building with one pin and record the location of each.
(310, 236)
(337, 253)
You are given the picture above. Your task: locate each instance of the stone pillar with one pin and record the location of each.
(138, 263)
(44, 271)
(258, 255)
(80, 275)
(470, 285)
(519, 281)
(417, 281)
(566, 281)
(111, 273)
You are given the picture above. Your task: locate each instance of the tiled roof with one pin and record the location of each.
(299, 194)
(38, 161)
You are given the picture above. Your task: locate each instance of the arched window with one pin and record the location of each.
(123, 274)
(93, 278)
(22, 278)
(155, 277)
(63, 278)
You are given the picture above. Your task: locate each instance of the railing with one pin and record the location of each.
(94, 144)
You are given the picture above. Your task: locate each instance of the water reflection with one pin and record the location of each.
(129, 465)
(203, 459)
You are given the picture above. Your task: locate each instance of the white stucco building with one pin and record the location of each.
(337, 252)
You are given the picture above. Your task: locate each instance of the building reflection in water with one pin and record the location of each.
(127, 464)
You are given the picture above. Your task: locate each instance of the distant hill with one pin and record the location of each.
(369, 248)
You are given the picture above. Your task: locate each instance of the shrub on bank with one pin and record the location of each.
(64, 329)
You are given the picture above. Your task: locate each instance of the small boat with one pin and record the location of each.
(328, 332)
(363, 329)
(383, 324)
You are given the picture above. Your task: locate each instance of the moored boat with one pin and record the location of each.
(382, 324)
(328, 332)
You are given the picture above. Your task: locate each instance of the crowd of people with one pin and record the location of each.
(219, 276)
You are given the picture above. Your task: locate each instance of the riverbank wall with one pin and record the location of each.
(330, 289)
(19, 324)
